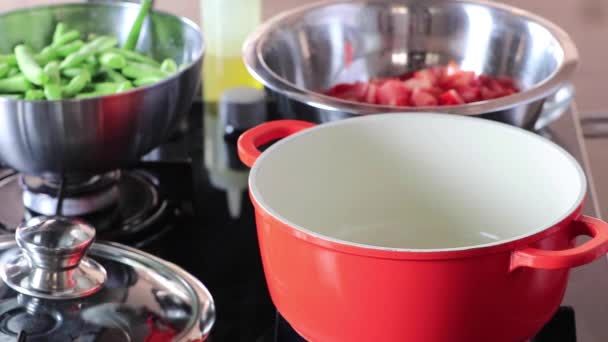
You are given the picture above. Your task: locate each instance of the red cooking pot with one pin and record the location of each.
(416, 227)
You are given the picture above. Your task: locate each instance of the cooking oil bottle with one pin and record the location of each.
(226, 24)
(234, 101)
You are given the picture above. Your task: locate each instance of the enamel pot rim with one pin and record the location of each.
(328, 242)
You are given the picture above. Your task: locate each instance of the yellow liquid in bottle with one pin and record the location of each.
(224, 72)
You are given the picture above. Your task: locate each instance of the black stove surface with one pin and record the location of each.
(211, 232)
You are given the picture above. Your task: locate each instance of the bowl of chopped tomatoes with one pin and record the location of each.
(339, 59)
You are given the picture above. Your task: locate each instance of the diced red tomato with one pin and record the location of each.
(393, 93)
(469, 93)
(418, 83)
(427, 75)
(350, 92)
(422, 98)
(450, 98)
(371, 97)
(437, 85)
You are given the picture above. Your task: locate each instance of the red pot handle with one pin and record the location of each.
(577, 256)
(257, 136)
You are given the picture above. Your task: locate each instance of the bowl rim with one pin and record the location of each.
(257, 67)
(162, 83)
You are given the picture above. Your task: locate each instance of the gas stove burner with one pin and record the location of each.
(80, 196)
(129, 202)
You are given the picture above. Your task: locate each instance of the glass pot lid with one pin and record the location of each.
(60, 286)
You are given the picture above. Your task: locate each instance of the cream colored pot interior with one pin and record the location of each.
(418, 182)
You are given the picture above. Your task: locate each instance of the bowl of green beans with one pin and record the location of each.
(91, 87)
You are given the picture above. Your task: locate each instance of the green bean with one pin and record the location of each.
(135, 57)
(71, 72)
(112, 75)
(136, 28)
(27, 64)
(14, 84)
(52, 92)
(52, 73)
(106, 87)
(72, 47)
(113, 60)
(91, 94)
(124, 86)
(83, 53)
(144, 81)
(4, 69)
(13, 72)
(107, 44)
(8, 59)
(34, 94)
(77, 84)
(168, 66)
(59, 31)
(66, 38)
(138, 70)
(46, 55)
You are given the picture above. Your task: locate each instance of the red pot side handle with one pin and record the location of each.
(250, 141)
(577, 256)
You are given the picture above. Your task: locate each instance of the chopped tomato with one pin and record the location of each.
(437, 85)
(422, 98)
(393, 93)
(350, 92)
(371, 97)
(418, 83)
(450, 98)
(469, 93)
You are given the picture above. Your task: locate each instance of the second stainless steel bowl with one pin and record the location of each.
(103, 133)
(302, 51)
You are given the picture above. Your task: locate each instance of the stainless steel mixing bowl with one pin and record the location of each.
(305, 50)
(98, 134)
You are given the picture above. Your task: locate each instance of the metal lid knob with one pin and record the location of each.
(52, 262)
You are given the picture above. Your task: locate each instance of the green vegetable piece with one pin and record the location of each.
(34, 94)
(77, 84)
(8, 59)
(66, 38)
(124, 86)
(112, 75)
(107, 44)
(46, 55)
(72, 47)
(135, 57)
(92, 94)
(106, 87)
(4, 69)
(59, 31)
(144, 81)
(27, 64)
(71, 72)
(52, 73)
(14, 84)
(113, 60)
(138, 70)
(169, 66)
(88, 49)
(13, 71)
(136, 28)
(52, 92)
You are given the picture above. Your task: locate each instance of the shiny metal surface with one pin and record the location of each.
(52, 263)
(94, 135)
(307, 49)
(139, 288)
